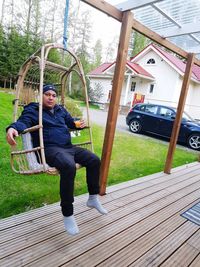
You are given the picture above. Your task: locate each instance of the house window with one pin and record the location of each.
(133, 86)
(151, 88)
(151, 109)
(151, 61)
(166, 112)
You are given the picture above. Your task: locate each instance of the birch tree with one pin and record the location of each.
(97, 51)
(28, 21)
(111, 50)
(53, 19)
(2, 11)
(37, 17)
(83, 34)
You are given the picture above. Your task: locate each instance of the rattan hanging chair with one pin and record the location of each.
(34, 73)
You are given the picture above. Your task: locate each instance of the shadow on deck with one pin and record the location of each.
(143, 227)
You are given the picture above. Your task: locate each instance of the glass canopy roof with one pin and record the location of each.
(176, 20)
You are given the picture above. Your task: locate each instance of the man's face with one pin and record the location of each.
(49, 99)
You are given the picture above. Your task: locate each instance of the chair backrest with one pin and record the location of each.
(32, 159)
(31, 156)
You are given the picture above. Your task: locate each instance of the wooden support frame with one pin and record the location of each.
(115, 13)
(179, 113)
(115, 97)
(106, 8)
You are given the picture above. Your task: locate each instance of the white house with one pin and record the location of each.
(153, 76)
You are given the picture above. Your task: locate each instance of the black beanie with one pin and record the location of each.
(48, 87)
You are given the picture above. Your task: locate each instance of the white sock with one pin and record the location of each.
(93, 202)
(70, 225)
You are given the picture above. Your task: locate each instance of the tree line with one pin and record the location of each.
(27, 24)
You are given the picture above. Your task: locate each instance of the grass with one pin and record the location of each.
(91, 105)
(132, 157)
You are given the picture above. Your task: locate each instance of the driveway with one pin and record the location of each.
(99, 117)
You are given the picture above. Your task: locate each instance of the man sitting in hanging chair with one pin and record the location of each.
(60, 152)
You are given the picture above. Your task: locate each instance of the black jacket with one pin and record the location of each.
(55, 125)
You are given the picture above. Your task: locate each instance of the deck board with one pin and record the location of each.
(39, 220)
(196, 261)
(143, 227)
(186, 253)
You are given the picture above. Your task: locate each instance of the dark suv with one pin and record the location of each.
(158, 119)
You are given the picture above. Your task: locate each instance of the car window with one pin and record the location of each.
(187, 117)
(142, 108)
(151, 109)
(166, 112)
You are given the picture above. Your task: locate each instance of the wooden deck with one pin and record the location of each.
(143, 227)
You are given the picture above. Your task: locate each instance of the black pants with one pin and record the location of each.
(64, 159)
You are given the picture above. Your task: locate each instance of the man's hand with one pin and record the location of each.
(80, 124)
(11, 134)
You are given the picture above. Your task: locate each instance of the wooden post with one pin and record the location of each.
(42, 66)
(115, 98)
(180, 109)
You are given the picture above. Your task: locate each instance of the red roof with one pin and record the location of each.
(138, 69)
(134, 66)
(100, 69)
(178, 63)
(196, 71)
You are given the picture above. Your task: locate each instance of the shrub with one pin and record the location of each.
(96, 92)
(73, 108)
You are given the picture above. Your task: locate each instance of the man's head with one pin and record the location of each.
(49, 96)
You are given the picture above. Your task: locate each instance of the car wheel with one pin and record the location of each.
(194, 141)
(135, 126)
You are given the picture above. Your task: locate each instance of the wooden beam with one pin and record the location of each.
(137, 26)
(115, 98)
(106, 8)
(180, 108)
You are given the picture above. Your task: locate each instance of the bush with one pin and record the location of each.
(73, 108)
(96, 92)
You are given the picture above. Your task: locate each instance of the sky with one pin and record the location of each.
(103, 26)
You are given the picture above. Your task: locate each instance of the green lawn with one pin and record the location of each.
(132, 157)
(91, 105)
